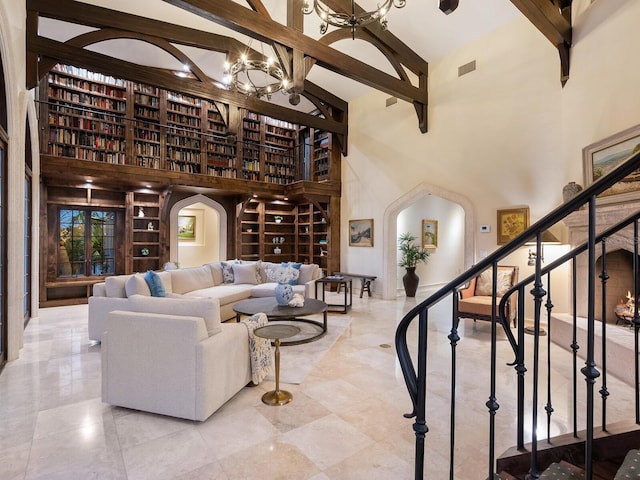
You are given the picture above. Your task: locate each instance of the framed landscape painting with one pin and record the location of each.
(603, 156)
(361, 233)
(511, 223)
(186, 227)
(429, 233)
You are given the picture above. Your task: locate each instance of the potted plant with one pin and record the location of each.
(410, 255)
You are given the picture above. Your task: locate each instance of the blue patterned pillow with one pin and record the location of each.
(155, 284)
(227, 271)
(293, 265)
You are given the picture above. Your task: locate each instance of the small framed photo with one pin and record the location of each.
(186, 227)
(511, 223)
(429, 233)
(601, 157)
(361, 233)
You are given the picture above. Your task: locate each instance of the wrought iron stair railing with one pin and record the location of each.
(416, 381)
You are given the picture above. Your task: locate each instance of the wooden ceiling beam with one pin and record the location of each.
(244, 20)
(553, 19)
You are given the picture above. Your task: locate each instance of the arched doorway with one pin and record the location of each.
(208, 241)
(390, 268)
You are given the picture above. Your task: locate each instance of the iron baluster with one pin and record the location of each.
(604, 276)
(420, 425)
(636, 318)
(574, 346)
(537, 292)
(520, 368)
(492, 403)
(549, 406)
(589, 370)
(454, 338)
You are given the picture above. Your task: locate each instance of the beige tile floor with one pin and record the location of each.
(345, 421)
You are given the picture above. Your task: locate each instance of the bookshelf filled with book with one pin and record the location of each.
(146, 126)
(184, 133)
(220, 149)
(86, 118)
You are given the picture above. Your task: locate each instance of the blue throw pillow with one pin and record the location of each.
(155, 284)
(293, 265)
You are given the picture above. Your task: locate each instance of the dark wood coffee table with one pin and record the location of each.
(275, 312)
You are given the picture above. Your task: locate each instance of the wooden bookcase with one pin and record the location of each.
(147, 133)
(250, 140)
(280, 151)
(86, 118)
(320, 155)
(220, 152)
(279, 232)
(184, 133)
(144, 216)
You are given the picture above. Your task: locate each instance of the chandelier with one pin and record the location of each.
(351, 20)
(255, 78)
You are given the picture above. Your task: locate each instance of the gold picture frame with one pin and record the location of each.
(361, 233)
(601, 157)
(186, 228)
(429, 233)
(511, 223)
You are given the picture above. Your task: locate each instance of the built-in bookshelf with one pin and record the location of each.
(321, 157)
(320, 234)
(250, 231)
(250, 146)
(279, 231)
(184, 133)
(86, 118)
(145, 232)
(100, 118)
(280, 151)
(146, 126)
(221, 150)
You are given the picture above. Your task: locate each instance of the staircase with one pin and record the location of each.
(595, 448)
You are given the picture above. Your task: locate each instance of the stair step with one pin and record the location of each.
(504, 476)
(562, 470)
(630, 467)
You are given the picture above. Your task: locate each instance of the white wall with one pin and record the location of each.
(205, 247)
(504, 135)
(447, 260)
(12, 51)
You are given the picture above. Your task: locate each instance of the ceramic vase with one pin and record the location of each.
(284, 293)
(410, 281)
(570, 190)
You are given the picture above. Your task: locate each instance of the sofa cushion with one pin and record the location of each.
(224, 293)
(296, 266)
(115, 286)
(246, 273)
(156, 287)
(206, 308)
(484, 283)
(185, 280)
(166, 281)
(264, 269)
(307, 273)
(478, 305)
(136, 285)
(216, 272)
(470, 290)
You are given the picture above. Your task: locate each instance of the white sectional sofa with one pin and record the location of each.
(228, 282)
(173, 357)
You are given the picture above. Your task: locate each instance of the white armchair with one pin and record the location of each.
(168, 364)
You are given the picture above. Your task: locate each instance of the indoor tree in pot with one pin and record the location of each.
(411, 254)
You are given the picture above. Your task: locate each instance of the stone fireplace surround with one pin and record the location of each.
(606, 216)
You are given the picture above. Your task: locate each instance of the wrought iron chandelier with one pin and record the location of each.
(255, 78)
(351, 20)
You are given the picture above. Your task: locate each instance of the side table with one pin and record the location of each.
(277, 332)
(340, 282)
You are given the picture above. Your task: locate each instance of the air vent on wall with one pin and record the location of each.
(466, 68)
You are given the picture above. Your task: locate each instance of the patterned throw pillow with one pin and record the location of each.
(295, 265)
(227, 272)
(485, 282)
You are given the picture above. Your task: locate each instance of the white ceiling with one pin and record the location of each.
(420, 25)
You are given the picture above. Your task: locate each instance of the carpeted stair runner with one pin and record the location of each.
(630, 467)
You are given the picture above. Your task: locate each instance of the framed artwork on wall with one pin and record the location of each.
(429, 233)
(601, 157)
(186, 227)
(511, 223)
(361, 233)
